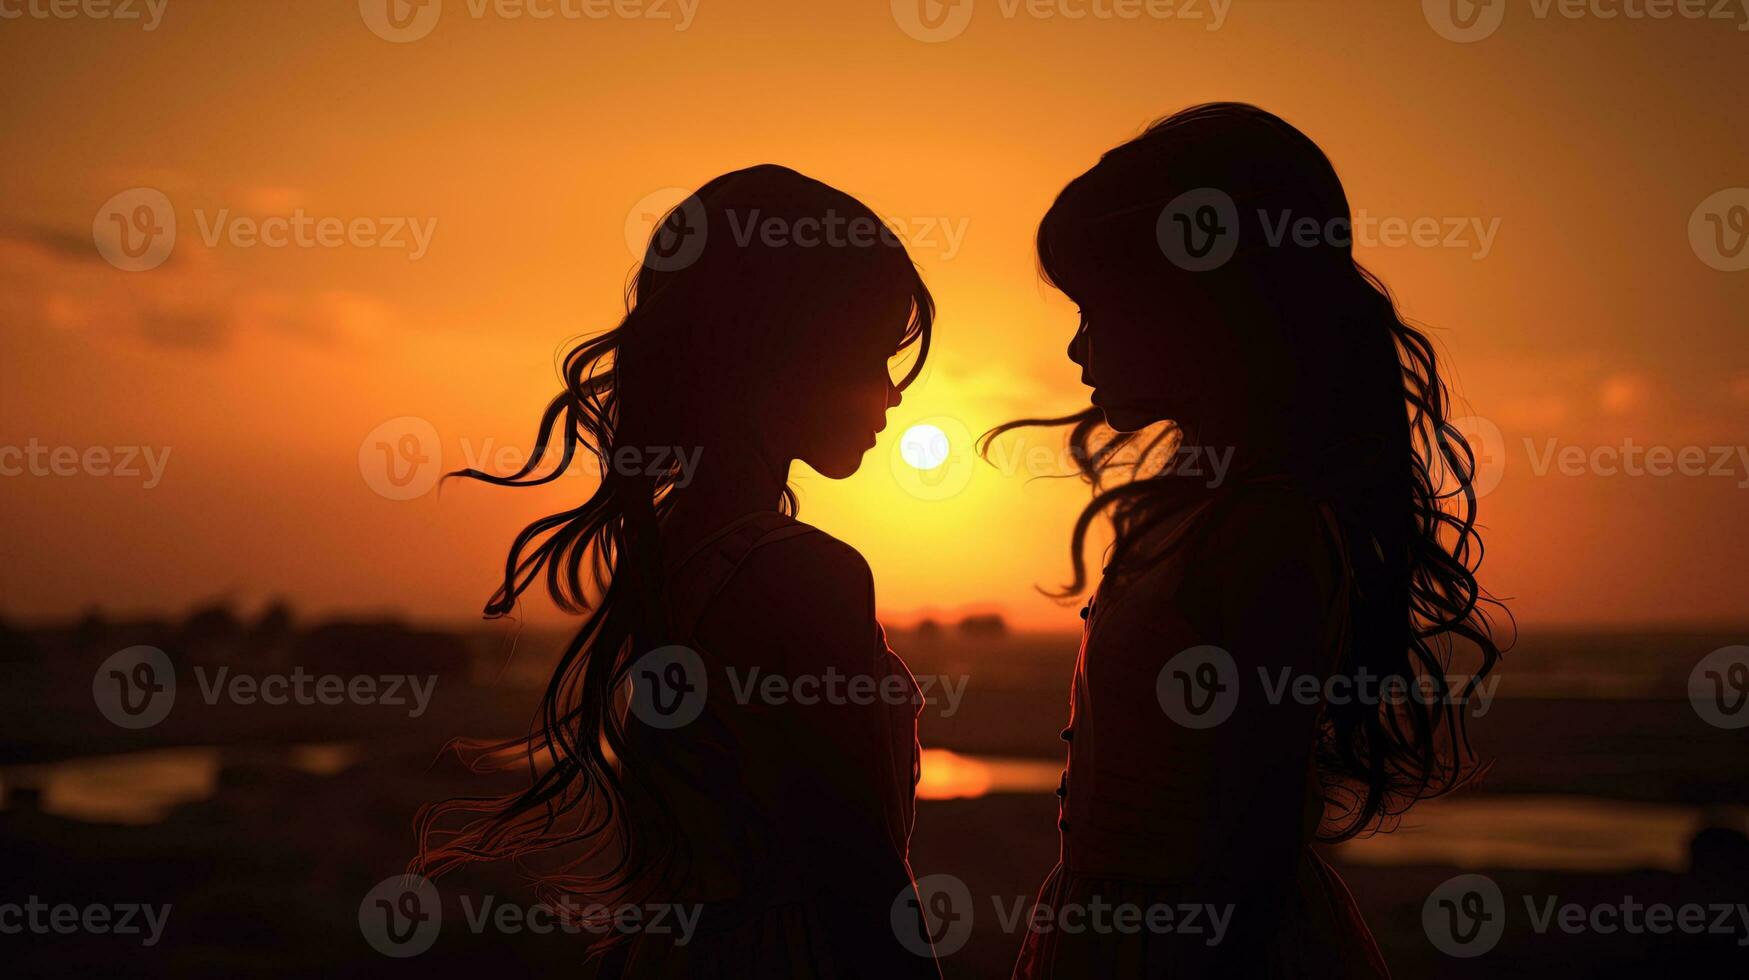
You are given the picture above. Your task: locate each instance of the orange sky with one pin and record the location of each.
(1573, 151)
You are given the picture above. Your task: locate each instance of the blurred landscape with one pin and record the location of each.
(264, 826)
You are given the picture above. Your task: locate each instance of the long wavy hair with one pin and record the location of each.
(719, 318)
(1371, 433)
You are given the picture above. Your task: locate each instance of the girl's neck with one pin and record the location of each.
(729, 482)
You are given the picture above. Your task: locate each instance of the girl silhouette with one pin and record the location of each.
(758, 332)
(1339, 546)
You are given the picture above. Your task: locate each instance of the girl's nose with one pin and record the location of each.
(1078, 348)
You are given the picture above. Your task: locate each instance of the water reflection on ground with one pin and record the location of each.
(141, 788)
(1569, 833)
(951, 776)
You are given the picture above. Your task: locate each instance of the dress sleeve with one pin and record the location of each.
(1274, 569)
(828, 707)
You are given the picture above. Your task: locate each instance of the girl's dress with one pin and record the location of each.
(1207, 829)
(794, 812)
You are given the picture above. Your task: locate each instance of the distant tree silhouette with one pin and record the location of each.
(90, 629)
(984, 624)
(380, 646)
(16, 646)
(276, 620)
(211, 622)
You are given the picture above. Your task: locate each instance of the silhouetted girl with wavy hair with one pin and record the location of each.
(758, 332)
(1340, 545)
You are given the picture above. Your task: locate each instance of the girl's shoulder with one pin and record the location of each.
(777, 581)
(1270, 518)
(1227, 537)
(797, 561)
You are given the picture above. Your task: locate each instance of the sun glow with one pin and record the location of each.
(924, 446)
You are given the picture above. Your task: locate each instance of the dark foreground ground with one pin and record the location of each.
(265, 871)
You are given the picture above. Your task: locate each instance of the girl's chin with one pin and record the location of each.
(1124, 419)
(839, 466)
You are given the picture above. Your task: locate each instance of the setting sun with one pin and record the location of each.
(924, 446)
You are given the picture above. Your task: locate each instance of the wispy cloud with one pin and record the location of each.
(57, 280)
